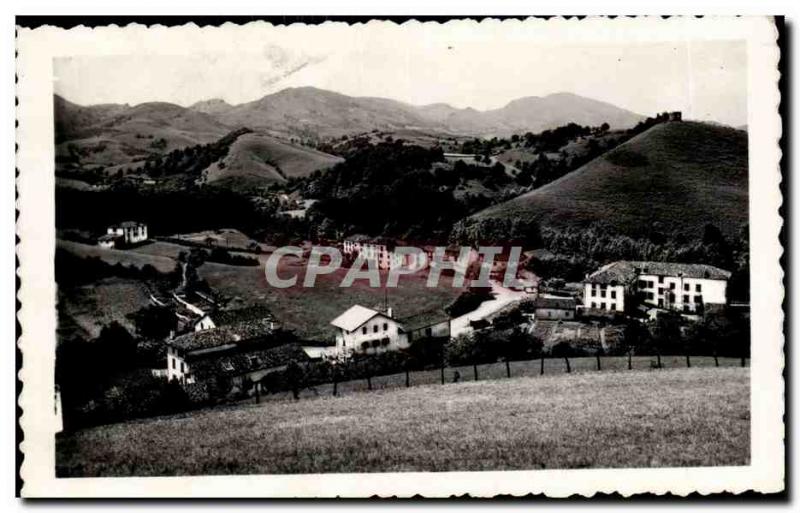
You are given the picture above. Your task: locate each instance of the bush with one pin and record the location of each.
(468, 301)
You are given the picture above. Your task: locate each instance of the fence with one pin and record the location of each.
(547, 366)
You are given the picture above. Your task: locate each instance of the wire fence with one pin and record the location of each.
(547, 366)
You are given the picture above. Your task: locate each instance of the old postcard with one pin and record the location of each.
(508, 256)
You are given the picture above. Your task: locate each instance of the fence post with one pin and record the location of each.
(508, 369)
(442, 373)
(744, 360)
(369, 382)
(569, 369)
(408, 383)
(598, 362)
(658, 359)
(630, 366)
(335, 383)
(475, 370)
(688, 361)
(716, 359)
(541, 366)
(258, 392)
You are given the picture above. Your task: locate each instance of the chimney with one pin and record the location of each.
(389, 312)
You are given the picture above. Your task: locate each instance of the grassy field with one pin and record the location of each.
(309, 310)
(86, 309)
(158, 256)
(682, 175)
(679, 417)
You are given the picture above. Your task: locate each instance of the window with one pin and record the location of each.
(613, 294)
(650, 295)
(685, 308)
(698, 288)
(375, 329)
(661, 303)
(603, 293)
(685, 298)
(642, 284)
(612, 306)
(173, 363)
(686, 287)
(364, 330)
(660, 279)
(385, 326)
(672, 286)
(183, 369)
(698, 299)
(594, 305)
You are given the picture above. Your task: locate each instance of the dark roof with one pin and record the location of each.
(625, 271)
(424, 319)
(555, 303)
(249, 313)
(227, 364)
(108, 236)
(235, 334)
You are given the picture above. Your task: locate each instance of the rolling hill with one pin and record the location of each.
(680, 175)
(105, 135)
(308, 111)
(258, 158)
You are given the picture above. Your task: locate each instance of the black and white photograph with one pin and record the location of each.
(352, 249)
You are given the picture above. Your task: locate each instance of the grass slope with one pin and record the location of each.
(266, 159)
(680, 175)
(688, 417)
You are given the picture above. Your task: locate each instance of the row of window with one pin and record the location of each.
(375, 328)
(611, 306)
(648, 284)
(602, 293)
(174, 366)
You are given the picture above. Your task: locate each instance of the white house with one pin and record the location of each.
(686, 288)
(128, 232)
(107, 241)
(364, 329)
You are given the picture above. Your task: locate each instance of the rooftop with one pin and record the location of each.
(626, 271)
(127, 224)
(555, 303)
(354, 317)
(248, 361)
(424, 319)
(234, 334)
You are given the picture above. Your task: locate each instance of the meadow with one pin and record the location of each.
(678, 417)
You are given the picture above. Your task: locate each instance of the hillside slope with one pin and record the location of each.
(257, 158)
(679, 175)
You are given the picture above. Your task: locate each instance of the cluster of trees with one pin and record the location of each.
(106, 380)
(497, 231)
(73, 270)
(385, 189)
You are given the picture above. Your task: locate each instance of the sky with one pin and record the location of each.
(707, 80)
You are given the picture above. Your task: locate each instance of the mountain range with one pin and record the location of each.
(318, 113)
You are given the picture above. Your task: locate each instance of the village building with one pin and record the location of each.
(123, 234)
(362, 329)
(382, 251)
(237, 354)
(554, 308)
(685, 288)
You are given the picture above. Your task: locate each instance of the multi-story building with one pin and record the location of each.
(686, 288)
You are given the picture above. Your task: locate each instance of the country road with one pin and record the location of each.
(502, 298)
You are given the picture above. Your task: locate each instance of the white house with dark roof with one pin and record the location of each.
(686, 288)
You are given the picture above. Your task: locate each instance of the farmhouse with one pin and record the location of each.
(123, 234)
(685, 288)
(247, 351)
(362, 329)
(554, 308)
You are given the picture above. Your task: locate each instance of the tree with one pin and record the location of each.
(154, 322)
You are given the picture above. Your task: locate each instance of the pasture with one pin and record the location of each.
(678, 417)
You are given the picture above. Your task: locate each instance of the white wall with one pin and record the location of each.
(604, 297)
(679, 293)
(347, 342)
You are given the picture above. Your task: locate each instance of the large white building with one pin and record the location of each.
(686, 288)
